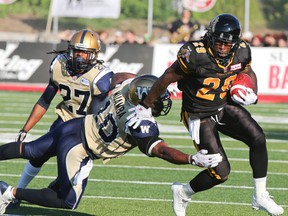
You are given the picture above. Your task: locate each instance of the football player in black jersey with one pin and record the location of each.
(204, 71)
(105, 136)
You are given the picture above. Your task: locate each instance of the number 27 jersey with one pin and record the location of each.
(77, 91)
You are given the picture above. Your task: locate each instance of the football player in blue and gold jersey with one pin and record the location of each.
(105, 136)
(204, 71)
(80, 78)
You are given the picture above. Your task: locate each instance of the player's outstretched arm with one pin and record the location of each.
(201, 158)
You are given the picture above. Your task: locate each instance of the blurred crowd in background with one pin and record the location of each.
(180, 31)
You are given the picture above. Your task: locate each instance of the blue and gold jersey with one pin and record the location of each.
(77, 90)
(107, 133)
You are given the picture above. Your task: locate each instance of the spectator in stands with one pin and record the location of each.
(269, 40)
(256, 41)
(282, 40)
(104, 37)
(182, 29)
(65, 35)
(118, 38)
(131, 38)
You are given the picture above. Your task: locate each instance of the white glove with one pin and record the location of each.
(21, 136)
(249, 98)
(172, 88)
(202, 159)
(83, 173)
(139, 113)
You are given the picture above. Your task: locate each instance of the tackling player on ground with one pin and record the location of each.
(103, 136)
(204, 70)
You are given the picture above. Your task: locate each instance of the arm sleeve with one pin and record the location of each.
(48, 95)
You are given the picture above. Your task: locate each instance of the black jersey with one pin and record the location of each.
(206, 82)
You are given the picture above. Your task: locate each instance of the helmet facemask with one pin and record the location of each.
(83, 50)
(226, 29)
(80, 64)
(162, 105)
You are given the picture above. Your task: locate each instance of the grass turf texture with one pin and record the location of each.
(137, 185)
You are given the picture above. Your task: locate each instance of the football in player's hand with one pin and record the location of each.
(241, 82)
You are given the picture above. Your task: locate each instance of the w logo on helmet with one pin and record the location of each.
(142, 91)
(139, 89)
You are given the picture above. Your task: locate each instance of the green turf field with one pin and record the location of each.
(140, 186)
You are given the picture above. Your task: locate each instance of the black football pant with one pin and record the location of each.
(236, 122)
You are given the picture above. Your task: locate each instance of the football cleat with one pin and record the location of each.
(180, 200)
(266, 203)
(5, 196)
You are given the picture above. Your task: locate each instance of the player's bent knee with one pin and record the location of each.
(220, 179)
(221, 172)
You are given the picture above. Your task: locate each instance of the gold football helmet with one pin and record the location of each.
(138, 90)
(83, 50)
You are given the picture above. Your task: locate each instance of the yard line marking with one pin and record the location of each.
(222, 138)
(236, 149)
(148, 167)
(21, 122)
(7, 135)
(169, 200)
(25, 115)
(148, 182)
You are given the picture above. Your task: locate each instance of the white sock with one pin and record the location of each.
(259, 186)
(28, 174)
(188, 190)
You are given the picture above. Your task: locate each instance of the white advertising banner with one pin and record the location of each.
(86, 8)
(164, 55)
(270, 65)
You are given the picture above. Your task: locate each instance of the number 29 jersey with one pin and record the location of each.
(206, 81)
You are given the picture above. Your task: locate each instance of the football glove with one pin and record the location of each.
(203, 159)
(21, 136)
(172, 89)
(139, 113)
(249, 98)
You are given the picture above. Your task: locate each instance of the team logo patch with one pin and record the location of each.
(85, 82)
(184, 53)
(235, 67)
